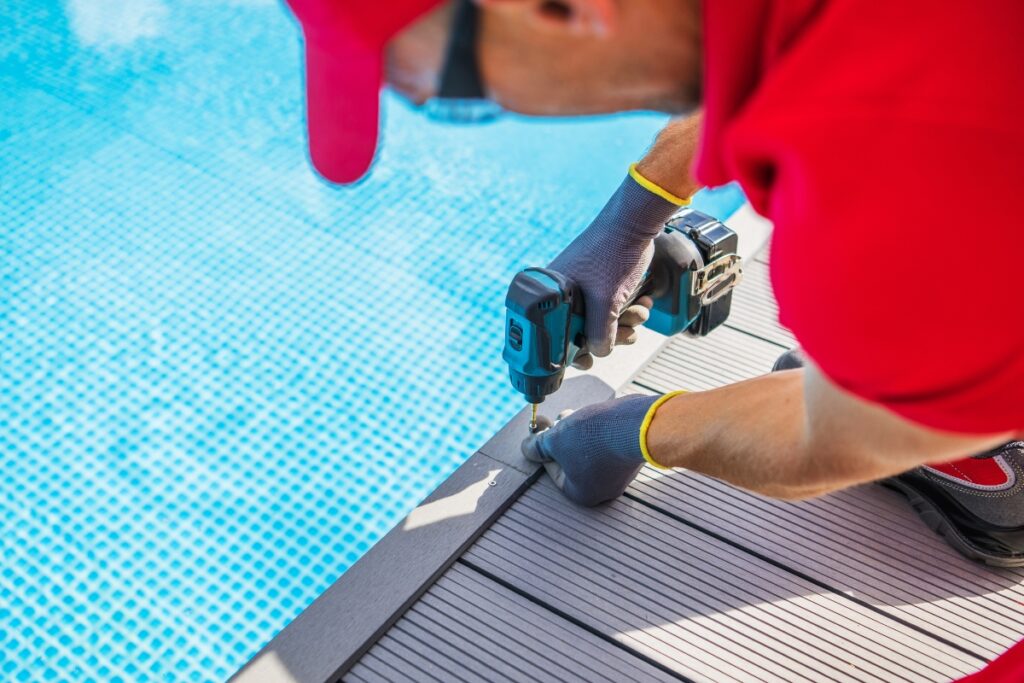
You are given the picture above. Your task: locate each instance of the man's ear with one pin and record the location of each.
(594, 18)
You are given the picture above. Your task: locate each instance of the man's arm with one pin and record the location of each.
(790, 434)
(787, 435)
(795, 435)
(669, 161)
(608, 259)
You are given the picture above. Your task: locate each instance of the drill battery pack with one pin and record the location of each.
(694, 271)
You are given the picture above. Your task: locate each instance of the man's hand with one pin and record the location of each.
(594, 453)
(631, 318)
(609, 258)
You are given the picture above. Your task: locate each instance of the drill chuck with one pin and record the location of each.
(536, 388)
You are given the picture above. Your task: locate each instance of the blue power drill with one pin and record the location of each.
(691, 278)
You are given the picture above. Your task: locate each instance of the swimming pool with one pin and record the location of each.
(222, 380)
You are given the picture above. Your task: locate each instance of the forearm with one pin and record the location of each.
(751, 434)
(795, 435)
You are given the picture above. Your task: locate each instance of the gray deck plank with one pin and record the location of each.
(377, 669)
(417, 635)
(692, 603)
(472, 629)
(865, 542)
(420, 671)
(754, 309)
(584, 651)
(723, 357)
(783, 581)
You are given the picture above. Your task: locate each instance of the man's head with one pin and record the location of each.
(565, 57)
(541, 57)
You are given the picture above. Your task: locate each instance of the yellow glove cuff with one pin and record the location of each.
(646, 424)
(654, 188)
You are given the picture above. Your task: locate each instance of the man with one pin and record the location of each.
(882, 139)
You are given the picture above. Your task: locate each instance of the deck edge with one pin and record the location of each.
(327, 638)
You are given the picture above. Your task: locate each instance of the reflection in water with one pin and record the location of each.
(115, 23)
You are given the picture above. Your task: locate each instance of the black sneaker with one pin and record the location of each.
(976, 504)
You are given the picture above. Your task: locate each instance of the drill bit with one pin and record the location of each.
(533, 418)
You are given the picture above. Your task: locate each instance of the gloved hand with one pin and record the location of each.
(609, 258)
(592, 454)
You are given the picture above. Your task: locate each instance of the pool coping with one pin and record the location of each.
(327, 638)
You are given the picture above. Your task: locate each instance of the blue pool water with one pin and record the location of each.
(220, 379)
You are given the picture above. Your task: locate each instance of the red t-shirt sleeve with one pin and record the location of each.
(886, 143)
(897, 262)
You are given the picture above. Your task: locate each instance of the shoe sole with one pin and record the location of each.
(937, 522)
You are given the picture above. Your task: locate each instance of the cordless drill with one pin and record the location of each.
(691, 278)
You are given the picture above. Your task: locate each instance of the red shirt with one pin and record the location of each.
(885, 140)
(1007, 668)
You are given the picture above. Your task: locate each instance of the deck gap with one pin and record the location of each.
(756, 336)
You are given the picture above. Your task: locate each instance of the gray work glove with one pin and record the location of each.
(608, 260)
(594, 453)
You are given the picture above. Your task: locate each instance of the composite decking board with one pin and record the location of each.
(513, 639)
(599, 656)
(759, 667)
(385, 654)
(376, 669)
(721, 620)
(473, 629)
(679, 656)
(786, 582)
(465, 640)
(510, 650)
(977, 607)
(723, 357)
(504, 626)
(791, 637)
(418, 670)
(920, 554)
(518, 667)
(924, 571)
(754, 309)
(500, 558)
(420, 634)
(819, 620)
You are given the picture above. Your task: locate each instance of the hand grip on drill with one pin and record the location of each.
(608, 260)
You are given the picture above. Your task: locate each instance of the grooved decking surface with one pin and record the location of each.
(687, 578)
